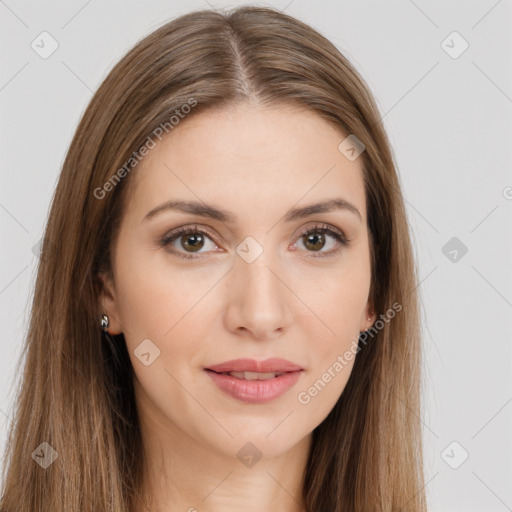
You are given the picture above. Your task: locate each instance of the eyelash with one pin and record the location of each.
(192, 230)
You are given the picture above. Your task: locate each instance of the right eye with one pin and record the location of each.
(192, 241)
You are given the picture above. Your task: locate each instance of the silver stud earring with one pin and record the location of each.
(104, 322)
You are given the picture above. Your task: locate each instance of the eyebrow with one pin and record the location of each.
(212, 212)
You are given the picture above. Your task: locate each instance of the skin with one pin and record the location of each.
(257, 163)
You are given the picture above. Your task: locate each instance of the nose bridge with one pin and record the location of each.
(258, 302)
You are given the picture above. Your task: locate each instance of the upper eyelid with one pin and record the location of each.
(209, 230)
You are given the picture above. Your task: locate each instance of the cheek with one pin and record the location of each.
(171, 308)
(337, 297)
(332, 355)
(174, 308)
(154, 294)
(339, 302)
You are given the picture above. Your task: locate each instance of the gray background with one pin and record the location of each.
(449, 120)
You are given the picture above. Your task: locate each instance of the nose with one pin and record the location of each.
(258, 300)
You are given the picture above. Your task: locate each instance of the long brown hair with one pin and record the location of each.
(76, 389)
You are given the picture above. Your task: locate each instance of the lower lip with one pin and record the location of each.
(255, 391)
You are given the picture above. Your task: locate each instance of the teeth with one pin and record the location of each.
(254, 375)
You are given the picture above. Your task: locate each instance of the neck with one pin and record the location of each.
(182, 474)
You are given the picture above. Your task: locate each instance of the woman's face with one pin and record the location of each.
(249, 285)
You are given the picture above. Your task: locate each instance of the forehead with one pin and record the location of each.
(249, 158)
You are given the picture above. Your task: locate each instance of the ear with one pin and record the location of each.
(368, 317)
(107, 302)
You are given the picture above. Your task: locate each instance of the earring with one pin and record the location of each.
(369, 320)
(104, 322)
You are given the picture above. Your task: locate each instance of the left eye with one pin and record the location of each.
(315, 237)
(193, 240)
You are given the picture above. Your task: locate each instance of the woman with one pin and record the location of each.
(225, 315)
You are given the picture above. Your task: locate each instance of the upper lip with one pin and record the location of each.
(273, 364)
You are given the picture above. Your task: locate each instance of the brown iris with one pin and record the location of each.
(312, 241)
(194, 242)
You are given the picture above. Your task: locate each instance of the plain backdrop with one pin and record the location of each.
(441, 73)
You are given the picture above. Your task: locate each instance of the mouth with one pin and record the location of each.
(254, 387)
(251, 375)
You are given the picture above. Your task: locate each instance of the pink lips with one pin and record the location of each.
(255, 391)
